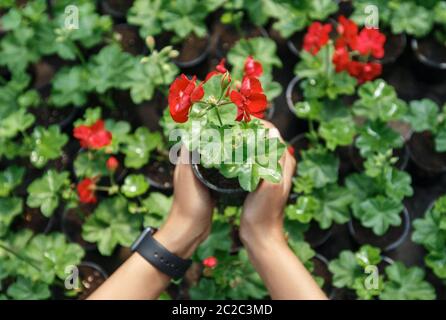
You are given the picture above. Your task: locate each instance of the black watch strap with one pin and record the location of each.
(157, 255)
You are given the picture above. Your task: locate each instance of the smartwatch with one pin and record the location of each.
(158, 256)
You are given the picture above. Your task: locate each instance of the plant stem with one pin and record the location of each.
(218, 116)
(26, 260)
(79, 54)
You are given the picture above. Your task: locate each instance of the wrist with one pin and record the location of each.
(258, 239)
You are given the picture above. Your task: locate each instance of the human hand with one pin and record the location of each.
(262, 218)
(190, 217)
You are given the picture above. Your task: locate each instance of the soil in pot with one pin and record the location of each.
(159, 173)
(116, 8)
(34, 220)
(192, 51)
(393, 48)
(426, 162)
(71, 225)
(387, 242)
(42, 74)
(47, 116)
(316, 236)
(321, 270)
(431, 59)
(228, 35)
(129, 39)
(91, 277)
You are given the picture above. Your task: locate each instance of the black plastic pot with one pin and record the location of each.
(159, 174)
(293, 94)
(34, 220)
(431, 60)
(295, 42)
(63, 117)
(92, 276)
(269, 113)
(393, 48)
(393, 238)
(130, 40)
(186, 45)
(71, 225)
(116, 8)
(316, 236)
(321, 270)
(426, 163)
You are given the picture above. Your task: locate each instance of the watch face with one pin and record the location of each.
(138, 241)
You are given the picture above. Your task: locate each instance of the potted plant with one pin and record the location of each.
(377, 205)
(426, 146)
(186, 22)
(262, 58)
(218, 104)
(372, 276)
(116, 8)
(429, 231)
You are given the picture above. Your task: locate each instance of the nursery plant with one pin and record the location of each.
(370, 277)
(430, 233)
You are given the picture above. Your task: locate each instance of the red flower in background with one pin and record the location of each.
(364, 71)
(94, 136)
(210, 262)
(250, 100)
(341, 59)
(253, 68)
(348, 32)
(316, 37)
(85, 190)
(182, 94)
(112, 164)
(371, 41)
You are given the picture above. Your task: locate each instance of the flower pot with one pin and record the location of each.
(321, 270)
(159, 174)
(430, 58)
(63, 117)
(316, 236)
(116, 8)
(228, 35)
(426, 163)
(293, 94)
(71, 224)
(192, 51)
(91, 276)
(295, 42)
(270, 110)
(345, 8)
(393, 48)
(228, 191)
(33, 219)
(129, 39)
(391, 240)
(358, 161)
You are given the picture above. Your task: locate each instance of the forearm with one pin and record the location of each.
(283, 274)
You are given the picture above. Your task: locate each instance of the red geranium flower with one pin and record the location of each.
(316, 37)
(371, 41)
(364, 71)
(112, 163)
(348, 32)
(94, 136)
(341, 59)
(85, 190)
(253, 68)
(210, 262)
(219, 69)
(182, 94)
(250, 100)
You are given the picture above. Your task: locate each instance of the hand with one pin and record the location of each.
(190, 217)
(262, 218)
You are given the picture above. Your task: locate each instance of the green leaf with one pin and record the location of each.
(146, 15)
(319, 166)
(304, 210)
(406, 284)
(436, 260)
(70, 87)
(379, 213)
(345, 269)
(16, 121)
(111, 224)
(25, 289)
(427, 231)
(218, 241)
(10, 179)
(158, 206)
(138, 147)
(377, 137)
(403, 22)
(9, 209)
(46, 144)
(45, 192)
(119, 131)
(368, 256)
(398, 184)
(206, 289)
(337, 132)
(134, 185)
(422, 115)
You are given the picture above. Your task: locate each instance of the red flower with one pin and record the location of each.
(371, 41)
(94, 136)
(291, 150)
(348, 32)
(85, 190)
(112, 163)
(182, 94)
(210, 262)
(316, 37)
(341, 59)
(253, 68)
(250, 100)
(364, 71)
(219, 69)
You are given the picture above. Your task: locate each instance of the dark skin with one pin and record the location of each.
(189, 223)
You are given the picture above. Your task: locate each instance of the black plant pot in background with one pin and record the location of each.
(293, 93)
(159, 174)
(391, 240)
(321, 270)
(130, 40)
(116, 8)
(430, 58)
(316, 236)
(426, 164)
(192, 51)
(33, 219)
(91, 276)
(295, 42)
(393, 50)
(71, 225)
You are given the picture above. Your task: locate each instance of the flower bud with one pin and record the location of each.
(150, 42)
(210, 262)
(174, 54)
